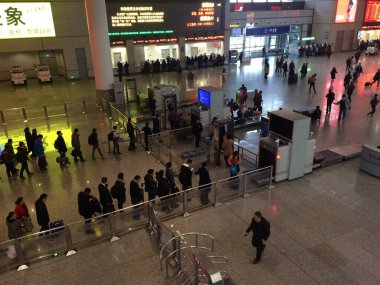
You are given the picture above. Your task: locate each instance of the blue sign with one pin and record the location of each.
(267, 31)
(204, 97)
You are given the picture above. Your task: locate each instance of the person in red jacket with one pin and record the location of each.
(21, 210)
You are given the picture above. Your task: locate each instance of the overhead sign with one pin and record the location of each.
(346, 11)
(148, 17)
(267, 31)
(372, 12)
(26, 20)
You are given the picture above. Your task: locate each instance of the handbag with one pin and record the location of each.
(234, 169)
(75, 152)
(26, 225)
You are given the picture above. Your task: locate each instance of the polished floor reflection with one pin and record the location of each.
(324, 226)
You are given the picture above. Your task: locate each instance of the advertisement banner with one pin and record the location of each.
(346, 11)
(26, 20)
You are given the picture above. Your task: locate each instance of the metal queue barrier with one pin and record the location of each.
(68, 239)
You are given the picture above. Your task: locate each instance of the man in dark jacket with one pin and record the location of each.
(204, 179)
(156, 125)
(105, 197)
(150, 184)
(42, 212)
(186, 176)
(147, 132)
(260, 228)
(330, 99)
(22, 157)
(34, 138)
(60, 146)
(137, 195)
(84, 205)
(8, 159)
(197, 132)
(28, 139)
(350, 90)
(75, 143)
(376, 78)
(118, 191)
(94, 142)
(131, 134)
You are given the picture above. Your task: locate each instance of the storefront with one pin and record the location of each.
(252, 40)
(371, 27)
(196, 46)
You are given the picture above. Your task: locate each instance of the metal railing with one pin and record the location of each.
(32, 247)
(25, 114)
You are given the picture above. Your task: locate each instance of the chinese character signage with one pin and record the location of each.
(26, 20)
(267, 31)
(132, 18)
(372, 12)
(346, 11)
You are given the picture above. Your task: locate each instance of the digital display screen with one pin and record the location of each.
(372, 12)
(26, 20)
(153, 18)
(346, 11)
(204, 97)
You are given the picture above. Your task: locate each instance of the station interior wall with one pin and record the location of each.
(71, 33)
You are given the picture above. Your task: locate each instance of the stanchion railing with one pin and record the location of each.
(70, 237)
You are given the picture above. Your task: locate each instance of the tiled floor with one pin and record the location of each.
(323, 233)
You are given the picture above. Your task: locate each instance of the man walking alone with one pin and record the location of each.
(260, 228)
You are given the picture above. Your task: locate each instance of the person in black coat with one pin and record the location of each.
(118, 191)
(84, 205)
(197, 132)
(156, 125)
(60, 146)
(42, 213)
(131, 134)
(137, 195)
(105, 197)
(34, 138)
(150, 185)
(147, 132)
(28, 139)
(22, 157)
(204, 179)
(260, 228)
(163, 188)
(330, 99)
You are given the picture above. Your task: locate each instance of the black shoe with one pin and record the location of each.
(256, 261)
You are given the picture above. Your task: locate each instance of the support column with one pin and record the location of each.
(100, 46)
(130, 53)
(182, 51)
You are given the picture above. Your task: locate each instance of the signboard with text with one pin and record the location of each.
(372, 12)
(267, 31)
(26, 20)
(164, 17)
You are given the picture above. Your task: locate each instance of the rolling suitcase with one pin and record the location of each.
(57, 224)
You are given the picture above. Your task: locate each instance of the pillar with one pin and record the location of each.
(182, 50)
(100, 46)
(130, 52)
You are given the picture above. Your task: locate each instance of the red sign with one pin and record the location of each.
(372, 11)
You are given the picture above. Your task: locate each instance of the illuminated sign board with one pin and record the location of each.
(164, 17)
(372, 12)
(26, 20)
(346, 11)
(204, 97)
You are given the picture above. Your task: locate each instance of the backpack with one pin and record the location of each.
(114, 192)
(91, 140)
(110, 136)
(266, 229)
(56, 144)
